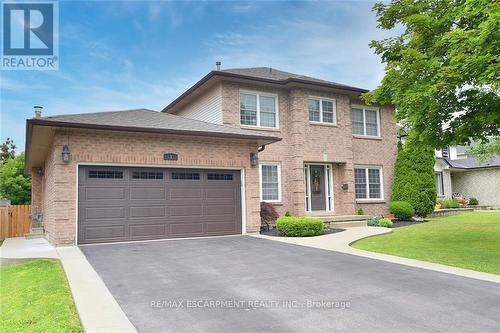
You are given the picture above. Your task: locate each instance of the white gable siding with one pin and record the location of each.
(207, 107)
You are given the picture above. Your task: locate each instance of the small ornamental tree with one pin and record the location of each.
(14, 184)
(414, 177)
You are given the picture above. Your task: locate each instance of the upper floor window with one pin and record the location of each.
(365, 121)
(258, 109)
(445, 152)
(322, 110)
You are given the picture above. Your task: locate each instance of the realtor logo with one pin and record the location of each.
(29, 35)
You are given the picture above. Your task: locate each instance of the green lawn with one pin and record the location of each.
(35, 297)
(468, 240)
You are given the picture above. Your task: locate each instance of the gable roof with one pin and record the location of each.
(264, 75)
(149, 121)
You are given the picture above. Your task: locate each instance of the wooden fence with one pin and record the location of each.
(15, 220)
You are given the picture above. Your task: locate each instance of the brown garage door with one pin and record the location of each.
(122, 204)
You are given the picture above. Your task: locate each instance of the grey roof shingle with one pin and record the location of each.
(278, 75)
(149, 119)
(472, 162)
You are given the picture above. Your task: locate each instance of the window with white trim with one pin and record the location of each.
(365, 121)
(258, 110)
(368, 182)
(322, 110)
(270, 181)
(439, 183)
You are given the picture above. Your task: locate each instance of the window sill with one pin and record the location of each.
(370, 201)
(366, 137)
(317, 123)
(258, 128)
(273, 202)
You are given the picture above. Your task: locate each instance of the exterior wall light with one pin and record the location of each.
(66, 154)
(253, 159)
(345, 186)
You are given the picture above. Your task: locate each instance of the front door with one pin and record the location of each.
(317, 181)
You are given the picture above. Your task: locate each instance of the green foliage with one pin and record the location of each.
(451, 203)
(360, 211)
(385, 223)
(446, 59)
(373, 222)
(414, 177)
(473, 201)
(486, 149)
(14, 185)
(288, 213)
(402, 210)
(298, 226)
(7, 150)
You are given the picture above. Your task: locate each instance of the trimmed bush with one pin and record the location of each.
(268, 213)
(373, 222)
(385, 223)
(298, 226)
(473, 201)
(402, 210)
(360, 211)
(451, 203)
(414, 176)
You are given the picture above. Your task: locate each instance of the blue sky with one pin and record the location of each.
(123, 55)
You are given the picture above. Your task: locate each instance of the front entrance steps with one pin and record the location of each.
(37, 232)
(341, 221)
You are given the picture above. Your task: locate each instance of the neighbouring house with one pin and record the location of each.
(460, 175)
(202, 166)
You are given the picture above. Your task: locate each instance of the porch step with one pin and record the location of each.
(38, 232)
(342, 218)
(347, 224)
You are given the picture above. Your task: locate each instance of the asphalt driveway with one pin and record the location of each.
(246, 284)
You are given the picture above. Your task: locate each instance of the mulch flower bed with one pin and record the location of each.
(275, 232)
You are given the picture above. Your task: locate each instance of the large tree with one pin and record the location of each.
(7, 150)
(443, 71)
(14, 184)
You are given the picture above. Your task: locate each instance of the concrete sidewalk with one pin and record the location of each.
(97, 308)
(341, 242)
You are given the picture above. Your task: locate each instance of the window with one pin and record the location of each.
(322, 110)
(445, 152)
(186, 175)
(270, 182)
(220, 176)
(439, 183)
(368, 182)
(147, 175)
(108, 174)
(258, 110)
(365, 121)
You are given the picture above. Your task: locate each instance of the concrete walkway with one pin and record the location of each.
(97, 308)
(341, 241)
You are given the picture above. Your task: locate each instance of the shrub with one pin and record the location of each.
(373, 222)
(451, 203)
(401, 210)
(288, 213)
(473, 201)
(298, 226)
(268, 213)
(414, 177)
(360, 211)
(385, 222)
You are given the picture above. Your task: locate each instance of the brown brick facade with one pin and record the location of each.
(304, 142)
(58, 186)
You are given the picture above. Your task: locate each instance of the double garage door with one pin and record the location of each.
(123, 204)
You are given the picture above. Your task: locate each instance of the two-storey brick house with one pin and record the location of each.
(203, 165)
(336, 154)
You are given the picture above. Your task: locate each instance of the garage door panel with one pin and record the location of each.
(151, 211)
(110, 193)
(147, 203)
(186, 211)
(147, 230)
(95, 213)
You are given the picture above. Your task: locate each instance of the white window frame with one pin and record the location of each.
(381, 173)
(277, 164)
(440, 183)
(329, 196)
(258, 94)
(321, 99)
(365, 108)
